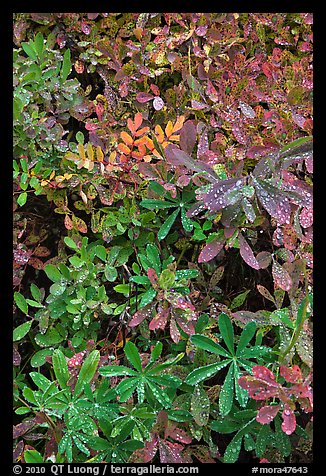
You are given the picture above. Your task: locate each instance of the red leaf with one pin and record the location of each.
(210, 251)
(68, 222)
(42, 251)
(160, 320)
(281, 277)
(267, 414)
(292, 375)
(247, 253)
(188, 136)
(144, 97)
(139, 316)
(289, 421)
(152, 276)
(264, 373)
(36, 263)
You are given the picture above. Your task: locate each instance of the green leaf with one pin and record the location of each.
(226, 330)
(200, 406)
(241, 393)
(34, 303)
(226, 393)
(100, 251)
(166, 279)
(246, 336)
(225, 425)
(87, 371)
(42, 382)
(60, 368)
(39, 44)
(208, 344)
(116, 370)
(148, 297)
(33, 456)
(29, 50)
(70, 243)
(239, 300)
(166, 227)
(36, 293)
(21, 330)
(152, 203)
(21, 302)
(133, 356)
(153, 256)
(186, 274)
(140, 280)
(51, 337)
(158, 368)
(232, 452)
(39, 358)
(52, 272)
(110, 273)
(66, 65)
(22, 198)
(122, 288)
(187, 223)
(203, 373)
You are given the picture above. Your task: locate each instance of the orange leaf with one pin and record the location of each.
(175, 137)
(159, 133)
(141, 131)
(124, 149)
(127, 139)
(138, 120)
(137, 155)
(178, 123)
(131, 126)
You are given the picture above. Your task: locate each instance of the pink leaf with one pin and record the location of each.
(292, 375)
(306, 217)
(258, 389)
(144, 97)
(289, 421)
(139, 316)
(267, 414)
(281, 277)
(152, 276)
(160, 320)
(178, 434)
(247, 253)
(210, 251)
(264, 373)
(170, 452)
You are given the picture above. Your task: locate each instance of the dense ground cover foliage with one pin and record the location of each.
(162, 237)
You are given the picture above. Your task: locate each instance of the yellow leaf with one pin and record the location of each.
(99, 154)
(169, 129)
(81, 151)
(90, 152)
(52, 175)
